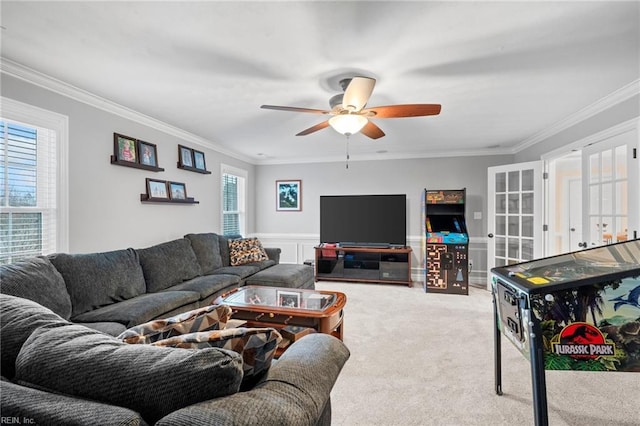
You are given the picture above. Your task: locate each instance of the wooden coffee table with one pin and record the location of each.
(280, 307)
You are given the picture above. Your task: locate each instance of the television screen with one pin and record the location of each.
(364, 220)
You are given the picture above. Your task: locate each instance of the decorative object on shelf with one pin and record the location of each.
(162, 191)
(192, 160)
(198, 160)
(185, 156)
(289, 195)
(148, 153)
(132, 152)
(157, 189)
(177, 191)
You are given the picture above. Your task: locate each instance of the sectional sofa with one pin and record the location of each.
(116, 290)
(63, 364)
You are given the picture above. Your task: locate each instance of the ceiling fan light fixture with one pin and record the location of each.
(348, 124)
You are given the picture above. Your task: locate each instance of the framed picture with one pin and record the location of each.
(148, 153)
(198, 160)
(185, 156)
(289, 195)
(157, 189)
(289, 299)
(177, 191)
(125, 148)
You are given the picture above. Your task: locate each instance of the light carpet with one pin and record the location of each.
(428, 359)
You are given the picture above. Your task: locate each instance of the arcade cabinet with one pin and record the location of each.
(446, 242)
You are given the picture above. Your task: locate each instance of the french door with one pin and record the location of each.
(514, 214)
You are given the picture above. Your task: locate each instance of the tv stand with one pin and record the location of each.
(364, 264)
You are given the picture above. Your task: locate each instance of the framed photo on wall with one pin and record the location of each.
(198, 160)
(185, 156)
(289, 195)
(148, 153)
(177, 191)
(157, 189)
(125, 148)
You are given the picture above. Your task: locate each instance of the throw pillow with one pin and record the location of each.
(212, 317)
(38, 280)
(256, 345)
(168, 264)
(153, 381)
(246, 250)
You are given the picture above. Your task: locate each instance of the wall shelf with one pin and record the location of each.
(117, 162)
(145, 199)
(193, 169)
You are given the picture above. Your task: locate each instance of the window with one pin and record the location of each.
(233, 201)
(32, 219)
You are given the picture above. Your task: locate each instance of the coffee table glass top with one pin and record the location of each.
(282, 298)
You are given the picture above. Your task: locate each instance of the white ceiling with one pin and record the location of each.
(503, 71)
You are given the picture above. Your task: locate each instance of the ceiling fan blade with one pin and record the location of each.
(372, 131)
(295, 109)
(315, 128)
(357, 93)
(408, 110)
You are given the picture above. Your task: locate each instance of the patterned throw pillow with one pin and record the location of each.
(246, 250)
(256, 345)
(212, 317)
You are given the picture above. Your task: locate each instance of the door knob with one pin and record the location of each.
(573, 229)
(490, 235)
(583, 245)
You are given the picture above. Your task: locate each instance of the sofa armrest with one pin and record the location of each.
(295, 391)
(273, 253)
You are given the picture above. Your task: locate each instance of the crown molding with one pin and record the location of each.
(60, 87)
(613, 99)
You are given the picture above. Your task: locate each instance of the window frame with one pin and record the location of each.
(32, 116)
(226, 169)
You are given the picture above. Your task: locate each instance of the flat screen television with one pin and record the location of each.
(364, 220)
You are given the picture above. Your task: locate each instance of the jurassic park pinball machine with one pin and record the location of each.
(575, 311)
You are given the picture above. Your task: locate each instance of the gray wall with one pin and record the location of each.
(105, 212)
(409, 177)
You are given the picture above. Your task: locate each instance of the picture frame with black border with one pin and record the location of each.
(157, 189)
(125, 148)
(199, 160)
(147, 153)
(185, 156)
(177, 191)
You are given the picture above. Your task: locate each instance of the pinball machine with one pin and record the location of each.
(576, 311)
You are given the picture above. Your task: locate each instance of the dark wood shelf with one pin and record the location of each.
(135, 165)
(193, 169)
(145, 199)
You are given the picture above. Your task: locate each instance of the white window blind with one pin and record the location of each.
(28, 194)
(233, 202)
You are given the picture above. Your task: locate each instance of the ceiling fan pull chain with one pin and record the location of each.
(347, 163)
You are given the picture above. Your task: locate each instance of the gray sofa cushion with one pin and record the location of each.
(241, 271)
(45, 408)
(168, 264)
(283, 275)
(38, 280)
(208, 285)
(207, 250)
(18, 318)
(99, 279)
(152, 381)
(110, 328)
(140, 309)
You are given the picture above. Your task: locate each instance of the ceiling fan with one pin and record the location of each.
(349, 115)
